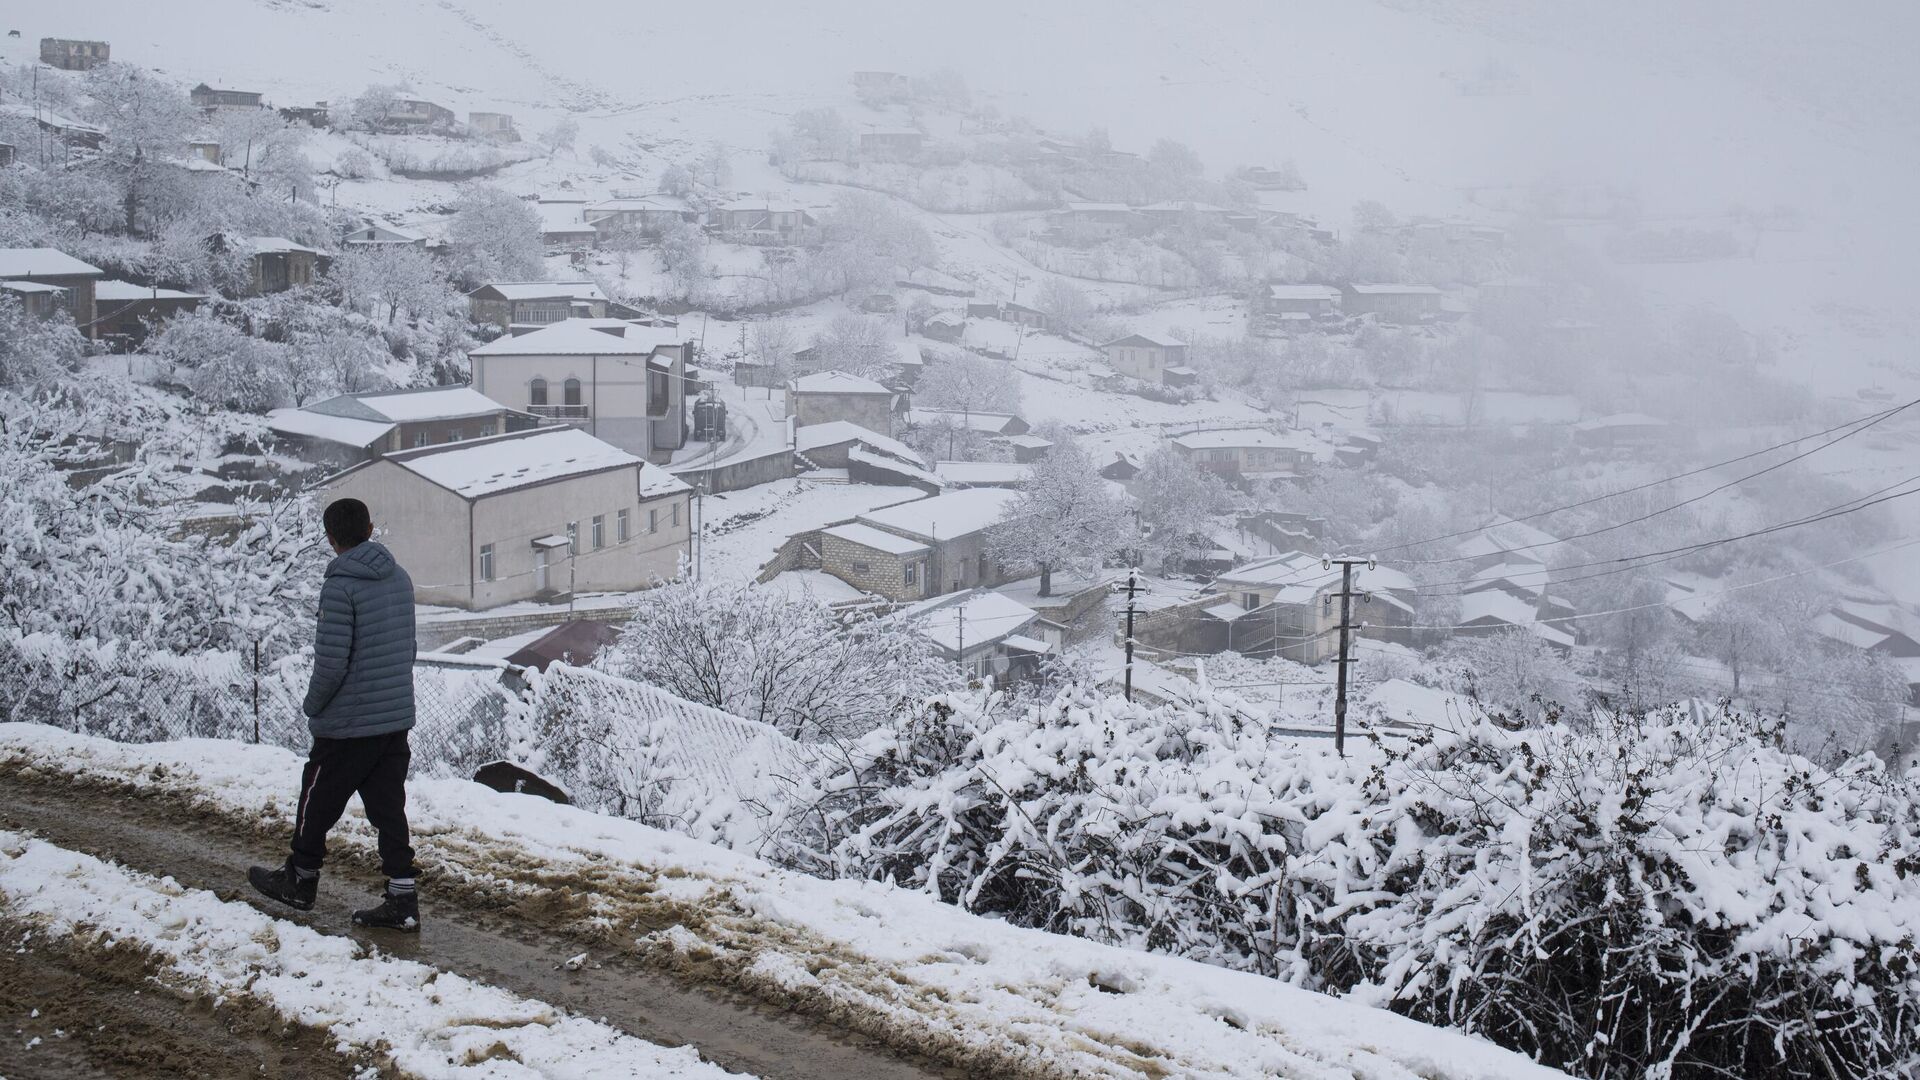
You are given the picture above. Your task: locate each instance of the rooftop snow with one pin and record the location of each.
(481, 467)
(985, 618)
(815, 436)
(837, 382)
(405, 406)
(345, 430)
(1161, 340)
(270, 245)
(992, 423)
(892, 464)
(879, 540)
(983, 473)
(945, 517)
(543, 290)
(1240, 438)
(584, 337)
(42, 262)
(1394, 290)
(1298, 570)
(1505, 536)
(127, 290)
(1302, 292)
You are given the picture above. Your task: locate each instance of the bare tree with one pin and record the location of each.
(1065, 519)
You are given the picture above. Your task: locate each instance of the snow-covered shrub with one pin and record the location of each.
(1657, 897)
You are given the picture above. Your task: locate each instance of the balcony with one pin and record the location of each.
(560, 412)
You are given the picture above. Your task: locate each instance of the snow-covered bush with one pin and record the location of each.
(1657, 897)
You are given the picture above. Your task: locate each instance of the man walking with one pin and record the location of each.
(359, 707)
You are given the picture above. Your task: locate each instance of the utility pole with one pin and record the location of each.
(1133, 585)
(1346, 643)
(960, 617)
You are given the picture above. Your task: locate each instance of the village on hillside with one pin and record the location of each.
(780, 435)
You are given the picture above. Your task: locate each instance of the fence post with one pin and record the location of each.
(256, 691)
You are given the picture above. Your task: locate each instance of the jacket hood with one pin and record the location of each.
(367, 560)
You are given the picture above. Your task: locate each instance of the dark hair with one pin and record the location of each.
(348, 522)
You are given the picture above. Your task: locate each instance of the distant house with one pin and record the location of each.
(777, 220)
(1310, 300)
(1012, 312)
(1090, 222)
(994, 637)
(827, 396)
(314, 115)
(52, 282)
(274, 263)
(74, 55)
(71, 134)
(1622, 431)
(1148, 357)
(867, 457)
(1122, 468)
(1877, 625)
(414, 113)
(986, 423)
(376, 234)
(350, 427)
(493, 125)
(1395, 303)
(1188, 212)
(1284, 609)
(944, 326)
(619, 381)
(918, 549)
(1248, 453)
(1027, 449)
(507, 304)
(126, 310)
(1495, 611)
(994, 474)
(891, 144)
(546, 511)
(645, 214)
(206, 97)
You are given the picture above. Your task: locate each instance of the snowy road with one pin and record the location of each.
(493, 947)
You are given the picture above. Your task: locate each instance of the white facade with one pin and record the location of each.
(617, 381)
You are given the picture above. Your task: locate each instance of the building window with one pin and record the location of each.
(673, 511)
(537, 392)
(861, 568)
(1251, 600)
(620, 527)
(486, 429)
(486, 562)
(570, 390)
(573, 537)
(911, 576)
(420, 438)
(453, 435)
(599, 531)
(653, 520)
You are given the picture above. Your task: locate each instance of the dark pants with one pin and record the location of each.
(376, 768)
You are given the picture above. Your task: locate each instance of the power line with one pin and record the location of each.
(1675, 506)
(1871, 417)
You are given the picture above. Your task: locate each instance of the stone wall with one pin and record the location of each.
(740, 472)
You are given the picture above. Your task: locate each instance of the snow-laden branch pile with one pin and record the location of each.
(1657, 898)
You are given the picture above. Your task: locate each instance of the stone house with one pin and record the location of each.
(414, 113)
(510, 304)
(375, 234)
(1290, 607)
(1394, 303)
(644, 214)
(74, 55)
(210, 99)
(828, 396)
(1091, 223)
(523, 516)
(352, 427)
(1147, 357)
(759, 217)
(1247, 453)
(273, 263)
(493, 125)
(620, 381)
(126, 310)
(50, 281)
(995, 638)
(1313, 301)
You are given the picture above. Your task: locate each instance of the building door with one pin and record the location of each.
(540, 570)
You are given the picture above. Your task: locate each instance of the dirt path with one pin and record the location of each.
(502, 948)
(72, 1010)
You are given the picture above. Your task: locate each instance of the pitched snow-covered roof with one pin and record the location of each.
(1161, 340)
(379, 232)
(1241, 438)
(1835, 628)
(834, 432)
(406, 406)
(837, 382)
(878, 539)
(344, 430)
(1504, 535)
(1301, 575)
(1496, 607)
(984, 618)
(30, 287)
(127, 290)
(544, 290)
(906, 469)
(1302, 292)
(1619, 420)
(945, 517)
(992, 423)
(1099, 207)
(584, 337)
(270, 245)
(480, 467)
(1376, 289)
(22, 262)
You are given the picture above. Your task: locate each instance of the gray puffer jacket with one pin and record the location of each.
(364, 648)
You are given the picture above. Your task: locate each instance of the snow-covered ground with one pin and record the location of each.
(1074, 1005)
(421, 1021)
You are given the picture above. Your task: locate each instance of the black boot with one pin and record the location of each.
(397, 911)
(285, 885)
